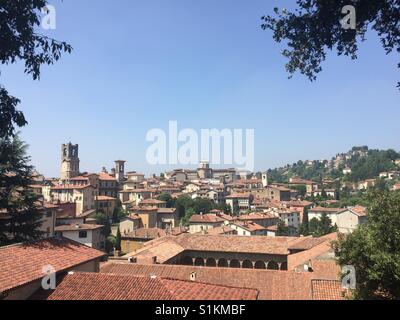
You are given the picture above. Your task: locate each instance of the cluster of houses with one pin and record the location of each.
(232, 254)
(255, 206)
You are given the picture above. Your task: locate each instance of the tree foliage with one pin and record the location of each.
(374, 248)
(321, 227)
(18, 203)
(315, 28)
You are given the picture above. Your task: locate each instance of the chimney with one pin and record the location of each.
(193, 276)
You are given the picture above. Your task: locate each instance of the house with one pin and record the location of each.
(349, 219)
(167, 218)
(129, 224)
(396, 187)
(83, 196)
(317, 213)
(108, 185)
(239, 202)
(278, 193)
(262, 219)
(204, 222)
(23, 266)
(87, 234)
(291, 219)
(106, 204)
(134, 240)
(153, 203)
(248, 228)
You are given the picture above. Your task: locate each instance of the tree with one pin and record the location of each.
(315, 27)
(283, 230)
(118, 241)
(168, 199)
(322, 226)
(102, 219)
(201, 205)
(189, 213)
(19, 41)
(374, 248)
(182, 204)
(118, 213)
(304, 228)
(20, 205)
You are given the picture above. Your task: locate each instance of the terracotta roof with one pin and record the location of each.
(239, 196)
(95, 286)
(205, 218)
(78, 227)
(145, 233)
(257, 216)
(71, 187)
(359, 211)
(327, 210)
(152, 201)
(328, 290)
(106, 177)
(22, 264)
(249, 226)
(272, 285)
(219, 230)
(166, 210)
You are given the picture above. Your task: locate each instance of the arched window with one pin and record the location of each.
(260, 265)
(247, 264)
(211, 262)
(199, 262)
(284, 266)
(272, 265)
(234, 264)
(222, 263)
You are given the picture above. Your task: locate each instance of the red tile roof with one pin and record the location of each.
(272, 285)
(22, 264)
(94, 286)
(205, 218)
(78, 227)
(328, 290)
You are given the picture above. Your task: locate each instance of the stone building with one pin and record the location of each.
(69, 161)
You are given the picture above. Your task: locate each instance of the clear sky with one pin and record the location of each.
(138, 64)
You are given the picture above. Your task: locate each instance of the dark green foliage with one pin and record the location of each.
(376, 162)
(16, 200)
(374, 248)
(168, 199)
(103, 219)
(118, 240)
(321, 227)
(314, 29)
(119, 213)
(283, 230)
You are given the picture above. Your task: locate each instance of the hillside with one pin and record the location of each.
(358, 164)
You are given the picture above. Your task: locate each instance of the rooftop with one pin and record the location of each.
(103, 286)
(22, 264)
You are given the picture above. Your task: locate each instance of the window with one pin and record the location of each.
(49, 214)
(82, 234)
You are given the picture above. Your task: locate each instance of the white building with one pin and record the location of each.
(89, 235)
(349, 219)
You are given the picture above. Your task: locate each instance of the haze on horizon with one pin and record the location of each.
(207, 64)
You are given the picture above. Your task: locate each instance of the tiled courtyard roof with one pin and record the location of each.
(94, 286)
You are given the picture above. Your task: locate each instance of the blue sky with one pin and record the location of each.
(207, 64)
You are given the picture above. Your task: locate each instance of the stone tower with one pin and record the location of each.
(120, 170)
(264, 179)
(69, 161)
(204, 171)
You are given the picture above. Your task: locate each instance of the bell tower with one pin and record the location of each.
(120, 170)
(69, 161)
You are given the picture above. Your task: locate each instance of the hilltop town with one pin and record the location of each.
(206, 233)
